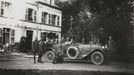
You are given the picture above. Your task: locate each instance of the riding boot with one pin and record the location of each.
(34, 57)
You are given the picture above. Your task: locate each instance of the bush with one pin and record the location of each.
(22, 45)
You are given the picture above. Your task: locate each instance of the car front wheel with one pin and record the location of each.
(49, 55)
(97, 58)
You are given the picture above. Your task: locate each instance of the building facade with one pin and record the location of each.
(29, 18)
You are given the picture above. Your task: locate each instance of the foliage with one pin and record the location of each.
(22, 44)
(101, 18)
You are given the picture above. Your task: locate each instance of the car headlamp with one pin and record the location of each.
(103, 47)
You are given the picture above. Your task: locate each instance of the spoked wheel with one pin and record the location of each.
(49, 55)
(97, 58)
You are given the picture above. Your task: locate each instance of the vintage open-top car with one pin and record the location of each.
(95, 52)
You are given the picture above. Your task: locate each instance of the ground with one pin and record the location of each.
(21, 61)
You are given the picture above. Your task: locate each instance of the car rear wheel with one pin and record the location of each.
(97, 58)
(49, 55)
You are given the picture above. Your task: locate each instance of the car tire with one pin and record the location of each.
(49, 56)
(71, 50)
(97, 58)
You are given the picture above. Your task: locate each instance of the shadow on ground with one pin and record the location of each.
(57, 72)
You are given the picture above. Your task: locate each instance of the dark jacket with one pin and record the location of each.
(48, 44)
(35, 45)
(41, 43)
(112, 45)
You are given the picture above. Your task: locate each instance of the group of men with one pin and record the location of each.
(40, 47)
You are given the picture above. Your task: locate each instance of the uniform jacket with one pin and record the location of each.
(35, 45)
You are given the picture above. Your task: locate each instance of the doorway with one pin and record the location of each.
(29, 35)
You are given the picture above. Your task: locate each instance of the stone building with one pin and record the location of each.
(29, 18)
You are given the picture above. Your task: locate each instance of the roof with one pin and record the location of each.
(58, 8)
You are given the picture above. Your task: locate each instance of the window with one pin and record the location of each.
(50, 2)
(44, 35)
(12, 36)
(44, 17)
(4, 8)
(52, 19)
(58, 21)
(31, 15)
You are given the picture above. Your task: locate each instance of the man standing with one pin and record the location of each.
(41, 49)
(112, 47)
(35, 47)
(62, 40)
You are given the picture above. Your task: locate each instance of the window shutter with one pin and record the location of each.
(49, 18)
(1, 36)
(58, 21)
(35, 14)
(42, 18)
(12, 36)
(0, 6)
(26, 15)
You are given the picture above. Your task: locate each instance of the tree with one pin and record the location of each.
(107, 18)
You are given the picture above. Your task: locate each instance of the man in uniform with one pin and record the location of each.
(41, 48)
(35, 47)
(112, 47)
